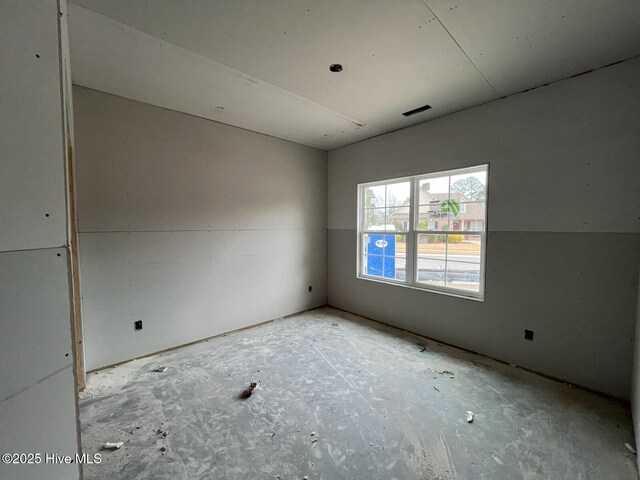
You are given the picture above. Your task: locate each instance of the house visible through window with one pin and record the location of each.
(426, 231)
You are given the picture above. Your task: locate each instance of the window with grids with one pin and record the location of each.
(426, 231)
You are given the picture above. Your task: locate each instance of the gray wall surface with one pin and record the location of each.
(38, 411)
(563, 221)
(635, 385)
(194, 227)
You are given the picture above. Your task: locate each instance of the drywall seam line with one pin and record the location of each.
(33, 249)
(632, 58)
(550, 232)
(19, 392)
(204, 230)
(235, 71)
(461, 49)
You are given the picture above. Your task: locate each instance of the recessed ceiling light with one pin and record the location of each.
(417, 110)
(335, 67)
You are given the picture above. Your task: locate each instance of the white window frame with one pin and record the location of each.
(411, 273)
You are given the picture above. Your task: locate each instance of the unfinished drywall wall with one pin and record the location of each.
(194, 227)
(38, 411)
(635, 383)
(563, 220)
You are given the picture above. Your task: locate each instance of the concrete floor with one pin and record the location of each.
(341, 397)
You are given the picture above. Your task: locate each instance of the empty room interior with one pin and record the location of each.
(296, 239)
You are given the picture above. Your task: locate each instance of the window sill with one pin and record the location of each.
(426, 288)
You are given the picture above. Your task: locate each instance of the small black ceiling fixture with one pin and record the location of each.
(335, 67)
(417, 110)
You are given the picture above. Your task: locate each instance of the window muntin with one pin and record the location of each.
(439, 231)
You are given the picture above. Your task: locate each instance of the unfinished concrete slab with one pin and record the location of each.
(344, 397)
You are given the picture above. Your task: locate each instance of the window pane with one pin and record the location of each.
(431, 245)
(395, 265)
(469, 186)
(398, 194)
(384, 255)
(455, 224)
(398, 217)
(464, 248)
(431, 189)
(431, 271)
(400, 257)
(388, 219)
(473, 215)
(373, 265)
(463, 276)
(459, 255)
(381, 244)
(426, 222)
(433, 217)
(401, 245)
(374, 219)
(374, 196)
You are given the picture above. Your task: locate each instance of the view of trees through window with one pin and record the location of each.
(439, 231)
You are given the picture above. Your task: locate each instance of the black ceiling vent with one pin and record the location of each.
(423, 108)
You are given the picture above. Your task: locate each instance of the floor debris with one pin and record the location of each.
(112, 445)
(250, 389)
(630, 448)
(469, 416)
(161, 368)
(204, 413)
(436, 388)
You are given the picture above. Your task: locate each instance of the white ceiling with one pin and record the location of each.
(264, 65)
